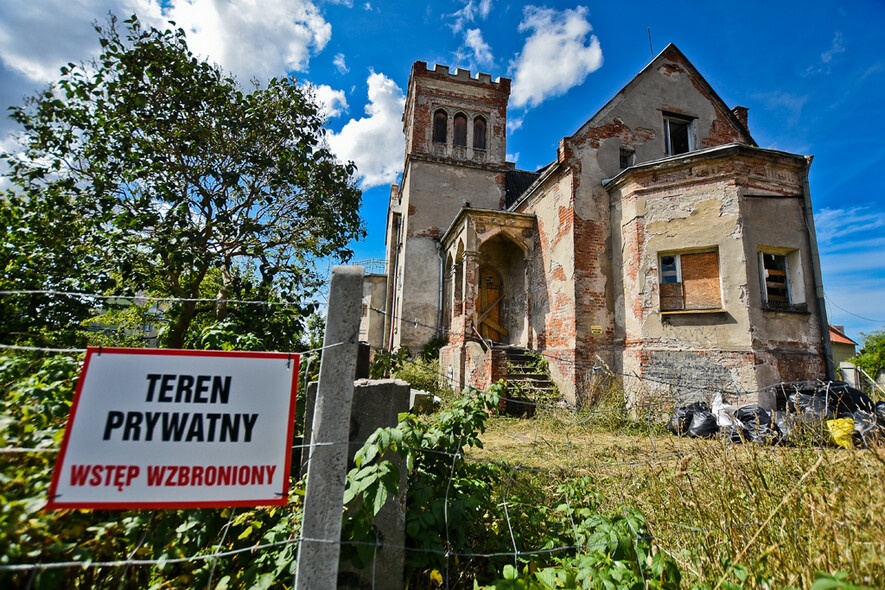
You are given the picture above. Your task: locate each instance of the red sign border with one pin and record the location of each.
(283, 499)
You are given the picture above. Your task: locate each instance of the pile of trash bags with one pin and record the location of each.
(808, 411)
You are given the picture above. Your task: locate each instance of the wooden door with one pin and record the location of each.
(489, 305)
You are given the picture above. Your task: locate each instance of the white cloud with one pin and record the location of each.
(367, 6)
(481, 50)
(851, 241)
(255, 38)
(834, 225)
(259, 38)
(469, 13)
(788, 105)
(341, 64)
(513, 157)
(375, 142)
(38, 37)
(333, 102)
(556, 56)
(826, 58)
(514, 123)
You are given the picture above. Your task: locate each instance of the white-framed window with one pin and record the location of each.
(679, 135)
(780, 274)
(689, 281)
(627, 157)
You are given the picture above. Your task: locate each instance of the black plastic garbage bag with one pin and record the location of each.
(735, 434)
(815, 406)
(844, 400)
(867, 428)
(785, 423)
(703, 424)
(880, 411)
(757, 423)
(680, 421)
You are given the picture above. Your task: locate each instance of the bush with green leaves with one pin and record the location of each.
(871, 357)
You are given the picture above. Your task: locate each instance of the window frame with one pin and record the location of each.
(668, 136)
(793, 280)
(680, 280)
(626, 157)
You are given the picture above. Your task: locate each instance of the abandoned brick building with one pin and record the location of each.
(660, 242)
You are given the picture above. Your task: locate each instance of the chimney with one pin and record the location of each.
(741, 114)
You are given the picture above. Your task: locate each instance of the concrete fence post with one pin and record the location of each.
(318, 552)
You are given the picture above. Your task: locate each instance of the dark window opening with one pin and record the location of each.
(479, 133)
(678, 136)
(775, 275)
(440, 124)
(460, 129)
(627, 158)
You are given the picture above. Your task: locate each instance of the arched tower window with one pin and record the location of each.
(479, 133)
(440, 125)
(461, 129)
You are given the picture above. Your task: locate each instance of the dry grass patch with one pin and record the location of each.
(768, 517)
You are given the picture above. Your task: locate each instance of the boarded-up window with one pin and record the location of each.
(440, 123)
(479, 133)
(460, 129)
(690, 282)
(700, 279)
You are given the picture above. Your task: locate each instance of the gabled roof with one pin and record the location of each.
(672, 53)
(838, 337)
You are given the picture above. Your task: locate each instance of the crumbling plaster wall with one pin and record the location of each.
(732, 205)
(788, 343)
(552, 278)
(692, 348)
(632, 120)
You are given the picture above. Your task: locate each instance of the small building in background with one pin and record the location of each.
(843, 347)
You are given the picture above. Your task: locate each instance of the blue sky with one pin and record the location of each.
(812, 74)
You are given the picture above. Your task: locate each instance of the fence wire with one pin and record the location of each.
(663, 452)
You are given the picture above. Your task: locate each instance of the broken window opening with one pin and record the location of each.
(460, 129)
(678, 135)
(690, 282)
(775, 278)
(440, 126)
(479, 133)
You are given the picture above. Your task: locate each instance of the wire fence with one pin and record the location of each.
(600, 459)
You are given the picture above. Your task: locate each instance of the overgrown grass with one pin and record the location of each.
(737, 515)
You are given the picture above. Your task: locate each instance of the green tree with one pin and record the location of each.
(871, 357)
(163, 169)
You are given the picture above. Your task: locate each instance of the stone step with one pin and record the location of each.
(527, 376)
(533, 385)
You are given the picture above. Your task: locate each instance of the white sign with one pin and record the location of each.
(178, 429)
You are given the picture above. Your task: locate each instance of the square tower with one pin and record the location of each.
(455, 128)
